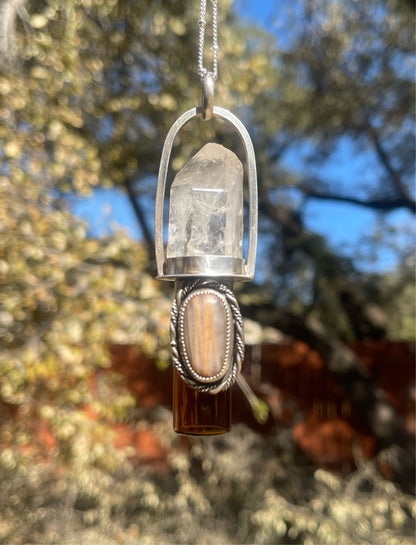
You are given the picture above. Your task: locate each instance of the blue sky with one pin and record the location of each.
(345, 226)
(258, 10)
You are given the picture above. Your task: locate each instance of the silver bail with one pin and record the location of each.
(208, 84)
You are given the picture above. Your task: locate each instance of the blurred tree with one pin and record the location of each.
(64, 297)
(344, 77)
(88, 91)
(96, 87)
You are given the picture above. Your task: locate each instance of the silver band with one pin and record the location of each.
(207, 266)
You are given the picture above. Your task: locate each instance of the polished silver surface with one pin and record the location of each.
(205, 266)
(208, 86)
(248, 272)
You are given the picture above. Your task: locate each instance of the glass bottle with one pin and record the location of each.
(198, 413)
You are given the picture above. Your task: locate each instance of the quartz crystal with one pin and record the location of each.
(206, 205)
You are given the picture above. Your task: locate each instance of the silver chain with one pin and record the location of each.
(201, 44)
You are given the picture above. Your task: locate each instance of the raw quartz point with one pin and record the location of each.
(206, 205)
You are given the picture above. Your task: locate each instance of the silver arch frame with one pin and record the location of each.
(246, 271)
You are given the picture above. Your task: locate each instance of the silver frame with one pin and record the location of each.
(217, 266)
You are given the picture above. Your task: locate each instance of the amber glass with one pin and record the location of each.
(197, 413)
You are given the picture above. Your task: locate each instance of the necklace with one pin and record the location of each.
(201, 42)
(204, 256)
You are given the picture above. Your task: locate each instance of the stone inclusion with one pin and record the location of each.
(206, 205)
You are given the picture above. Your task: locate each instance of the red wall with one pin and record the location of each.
(305, 401)
(303, 396)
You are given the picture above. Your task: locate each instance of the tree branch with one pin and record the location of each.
(147, 234)
(384, 205)
(385, 161)
(286, 219)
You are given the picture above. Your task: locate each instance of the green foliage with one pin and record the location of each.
(237, 488)
(64, 298)
(108, 78)
(400, 299)
(344, 80)
(88, 90)
(87, 93)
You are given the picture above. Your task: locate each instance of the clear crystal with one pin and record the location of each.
(206, 205)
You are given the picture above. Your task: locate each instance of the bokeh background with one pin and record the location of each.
(322, 447)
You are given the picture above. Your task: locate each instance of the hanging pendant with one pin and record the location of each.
(205, 256)
(207, 335)
(203, 265)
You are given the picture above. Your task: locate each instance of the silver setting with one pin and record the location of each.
(229, 333)
(208, 266)
(251, 172)
(184, 289)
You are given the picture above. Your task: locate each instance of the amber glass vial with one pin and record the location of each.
(197, 413)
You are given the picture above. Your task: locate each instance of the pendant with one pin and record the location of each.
(204, 256)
